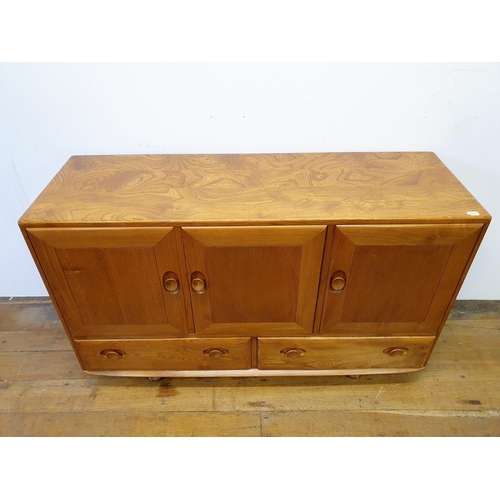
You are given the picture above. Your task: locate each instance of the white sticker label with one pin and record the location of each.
(472, 213)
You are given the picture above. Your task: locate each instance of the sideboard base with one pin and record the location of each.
(247, 373)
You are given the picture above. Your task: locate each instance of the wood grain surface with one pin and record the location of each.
(43, 391)
(108, 281)
(258, 279)
(171, 354)
(399, 278)
(341, 353)
(252, 188)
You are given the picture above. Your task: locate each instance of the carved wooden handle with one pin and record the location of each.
(293, 352)
(171, 285)
(215, 352)
(171, 282)
(198, 282)
(338, 281)
(112, 353)
(396, 351)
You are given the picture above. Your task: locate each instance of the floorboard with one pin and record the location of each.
(126, 423)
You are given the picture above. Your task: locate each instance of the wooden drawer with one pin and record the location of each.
(171, 354)
(342, 353)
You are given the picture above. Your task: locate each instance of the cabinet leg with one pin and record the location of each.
(154, 379)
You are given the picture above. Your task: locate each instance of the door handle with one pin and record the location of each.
(171, 282)
(338, 281)
(198, 282)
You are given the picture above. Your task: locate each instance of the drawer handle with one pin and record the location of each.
(293, 352)
(112, 353)
(198, 282)
(171, 282)
(338, 281)
(396, 351)
(215, 352)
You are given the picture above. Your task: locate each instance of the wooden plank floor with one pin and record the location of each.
(43, 391)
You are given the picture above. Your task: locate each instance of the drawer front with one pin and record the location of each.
(171, 354)
(342, 353)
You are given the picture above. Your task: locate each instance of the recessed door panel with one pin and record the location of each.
(254, 284)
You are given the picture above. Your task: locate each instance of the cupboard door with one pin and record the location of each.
(254, 279)
(394, 279)
(127, 282)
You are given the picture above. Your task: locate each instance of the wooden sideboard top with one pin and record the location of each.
(253, 189)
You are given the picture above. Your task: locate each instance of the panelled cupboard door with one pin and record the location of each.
(394, 279)
(116, 282)
(254, 279)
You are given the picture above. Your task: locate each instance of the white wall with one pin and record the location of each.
(49, 112)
